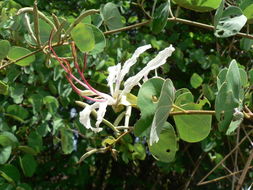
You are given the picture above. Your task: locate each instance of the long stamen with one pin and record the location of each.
(68, 70)
(79, 71)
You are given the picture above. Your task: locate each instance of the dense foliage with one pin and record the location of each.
(187, 125)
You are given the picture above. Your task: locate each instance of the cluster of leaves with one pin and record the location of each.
(38, 114)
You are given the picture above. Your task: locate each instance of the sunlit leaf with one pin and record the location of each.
(16, 53)
(199, 5)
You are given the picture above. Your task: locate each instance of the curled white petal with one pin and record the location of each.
(159, 60)
(130, 62)
(84, 116)
(101, 113)
(114, 72)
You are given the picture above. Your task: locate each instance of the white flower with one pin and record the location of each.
(115, 78)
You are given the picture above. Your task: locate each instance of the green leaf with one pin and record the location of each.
(83, 36)
(199, 5)
(251, 76)
(148, 96)
(194, 127)
(230, 23)
(111, 16)
(165, 149)
(28, 165)
(88, 38)
(17, 112)
(51, 103)
(160, 17)
(143, 125)
(184, 98)
(11, 172)
(3, 88)
(67, 139)
(110, 140)
(208, 92)
(139, 152)
(244, 77)
(100, 41)
(246, 44)
(36, 100)
(8, 139)
(17, 92)
(35, 141)
(5, 153)
(27, 149)
(247, 8)
(5, 47)
(233, 79)
(164, 106)
(225, 103)
(196, 80)
(218, 13)
(15, 53)
(24, 186)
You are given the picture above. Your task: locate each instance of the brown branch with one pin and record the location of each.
(192, 112)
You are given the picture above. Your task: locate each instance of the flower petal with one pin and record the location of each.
(114, 72)
(130, 62)
(159, 60)
(84, 117)
(101, 113)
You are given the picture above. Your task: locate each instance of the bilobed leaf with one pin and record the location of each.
(247, 8)
(100, 41)
(148, 96)
(3, 88)
(83, 36)
(184, 98)
(230, 23)
(67, 138)
(28, 165)
(194, 127)
(165, 149)
(164, 106)
(5, 47)
(160, 17)
(16, 53)
(199, 5)
(88, 38)
(196, 80)
(111, 16)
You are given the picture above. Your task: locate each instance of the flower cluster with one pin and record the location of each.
(115, 78)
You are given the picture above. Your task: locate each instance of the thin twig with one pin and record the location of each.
(245, 170)
(243, 139)
(223, 177)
